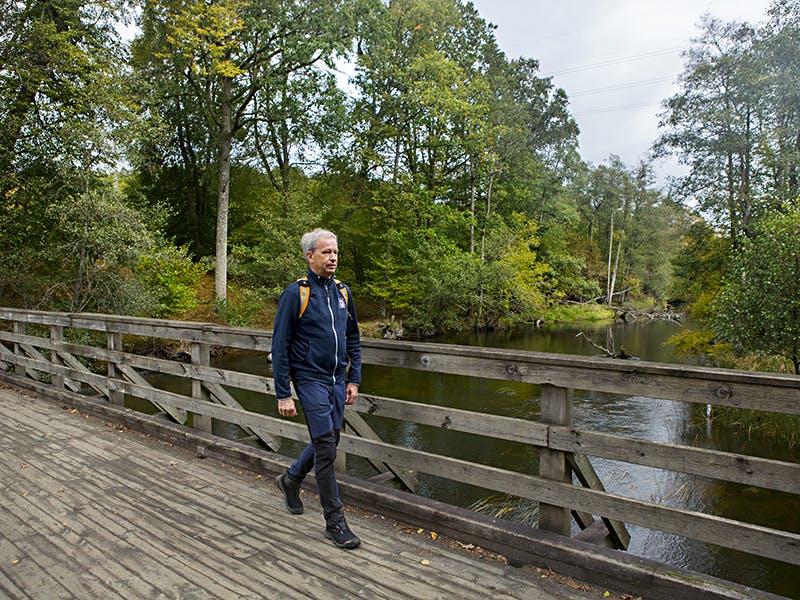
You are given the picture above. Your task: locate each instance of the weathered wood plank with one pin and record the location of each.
(362, 429)
(67, 359)
(739, 468)
(769, 392)
(234, 337)
(584, 471)
(720, 531)
(556, 409)
(688, 384)
(761, 391)
(724, 532)
(453, 419)
(131, 375)
(221, 395)
(247, 381)
(5, 356)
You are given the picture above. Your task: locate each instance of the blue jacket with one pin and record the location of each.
(319, 345)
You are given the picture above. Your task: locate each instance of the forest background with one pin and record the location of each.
(138, 176)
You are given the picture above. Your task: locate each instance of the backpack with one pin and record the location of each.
(305, 292)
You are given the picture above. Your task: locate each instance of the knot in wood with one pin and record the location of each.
(722, 393)
(447, 422)
(425, 360)
(512, 369)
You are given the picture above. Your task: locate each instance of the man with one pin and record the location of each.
(315, 337)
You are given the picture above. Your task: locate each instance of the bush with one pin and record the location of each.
(170, 277)
(757, 309)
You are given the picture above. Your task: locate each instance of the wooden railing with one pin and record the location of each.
(39, 350)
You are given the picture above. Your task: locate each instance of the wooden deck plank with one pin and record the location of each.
(401, 586)
(388, 560)
(48, 517)
(22, 573)
(89, 510)
(174, 544)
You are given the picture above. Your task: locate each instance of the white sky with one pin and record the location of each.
(616, 59)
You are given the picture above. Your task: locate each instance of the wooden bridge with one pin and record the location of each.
(201, 529)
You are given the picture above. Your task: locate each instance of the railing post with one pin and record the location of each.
(201, 357)
(56, 337)
(556, 409)
(114, 343)
(19, 328)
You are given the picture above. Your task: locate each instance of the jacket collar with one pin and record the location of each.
(323, 281)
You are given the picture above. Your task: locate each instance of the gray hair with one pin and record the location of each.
(310, 239)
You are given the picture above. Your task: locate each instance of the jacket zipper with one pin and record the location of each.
(335, 336)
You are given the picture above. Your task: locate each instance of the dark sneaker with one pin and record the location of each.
(339, 533)
(291, 495)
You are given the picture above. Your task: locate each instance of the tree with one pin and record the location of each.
(759, 306)
(714, 125)
(777, 47)
(63, 108)
(60, 93)
(225, 53)
(699, 266)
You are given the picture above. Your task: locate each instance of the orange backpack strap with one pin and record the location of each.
(342, 290)
(305, 292)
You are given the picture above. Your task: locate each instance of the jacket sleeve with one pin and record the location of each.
(282, 334)
(353, 343)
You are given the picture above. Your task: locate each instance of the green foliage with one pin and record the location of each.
(699, 266)
(759, 306)
(92, 250)
(244, 308)
(170, 277)
(735, 121)
(517, 285)
(577, 312)
(702, 343)
(424, 280)
(266, 231)
(271, 264)
(563, 250)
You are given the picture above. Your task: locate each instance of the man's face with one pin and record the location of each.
(324, 259)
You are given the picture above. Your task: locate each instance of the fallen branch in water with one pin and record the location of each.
(609, 353)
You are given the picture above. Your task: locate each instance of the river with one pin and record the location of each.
(639, 417)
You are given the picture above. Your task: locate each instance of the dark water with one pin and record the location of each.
(639, 417)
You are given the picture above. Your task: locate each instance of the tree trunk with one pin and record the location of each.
(483, 248)
(223, 199)
(609, 291)
(472, 193)
(614, 272)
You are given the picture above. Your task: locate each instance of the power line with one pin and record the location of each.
(616, 61)
(622, 86)
(596, 111)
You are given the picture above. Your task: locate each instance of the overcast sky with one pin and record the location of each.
(616, 59)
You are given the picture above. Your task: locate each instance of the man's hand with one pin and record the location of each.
(352, 393)
(286, 408)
